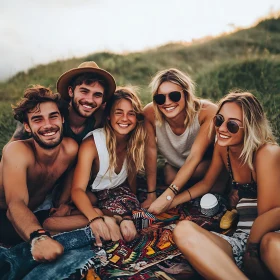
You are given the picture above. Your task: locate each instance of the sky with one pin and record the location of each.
(36, 32)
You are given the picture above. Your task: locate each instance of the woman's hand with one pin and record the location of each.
(162, 203)
(151, 197)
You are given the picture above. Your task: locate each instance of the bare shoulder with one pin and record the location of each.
(208, 110)
(88, 145)
(268, 153)
(149, 113)
(70, 146)
(19, 151)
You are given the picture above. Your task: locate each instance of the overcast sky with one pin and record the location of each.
(41, 31)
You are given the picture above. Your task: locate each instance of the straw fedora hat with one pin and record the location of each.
(65, 79)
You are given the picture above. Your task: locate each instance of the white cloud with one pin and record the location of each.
(39, 31)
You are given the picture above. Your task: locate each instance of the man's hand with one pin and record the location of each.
(113, 228)
(46, 249)
(162, 203)
(151, 197)
(100, 230)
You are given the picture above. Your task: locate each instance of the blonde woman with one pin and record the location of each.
(177, 124)
(246, 147)
(111, 156)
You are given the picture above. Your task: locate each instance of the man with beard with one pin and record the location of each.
(30, 169)
(86, 88)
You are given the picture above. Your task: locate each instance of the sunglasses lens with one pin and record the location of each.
(175, 96)
(218, 120)
(159, 99)
(232, 126)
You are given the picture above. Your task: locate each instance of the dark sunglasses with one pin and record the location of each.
(232, 126)
(174, 96)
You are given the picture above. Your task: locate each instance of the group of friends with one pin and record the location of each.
(74, 157)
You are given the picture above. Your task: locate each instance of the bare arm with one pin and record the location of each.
(86, 156)
(199, 146)
(268, 180)
(150, 155)
(17, 158)
(198, 149)
(267, 162)
(205, 185)
(15, 164)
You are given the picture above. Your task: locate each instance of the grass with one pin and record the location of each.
(248, 59)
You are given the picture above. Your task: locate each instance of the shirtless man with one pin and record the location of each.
(86, 88)
(30, 170)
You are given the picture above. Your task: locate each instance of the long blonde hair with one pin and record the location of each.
(257, 130)
(136, 142)
(179, 78)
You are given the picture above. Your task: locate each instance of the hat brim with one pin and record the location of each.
(65, 79)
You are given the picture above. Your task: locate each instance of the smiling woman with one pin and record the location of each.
(177, 123)
(247, 148)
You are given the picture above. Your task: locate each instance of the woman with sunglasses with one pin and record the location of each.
(246, 147)
(177, 123)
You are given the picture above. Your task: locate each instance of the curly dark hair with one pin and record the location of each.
(32, 99)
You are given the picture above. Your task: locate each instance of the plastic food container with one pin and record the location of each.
(209, 205)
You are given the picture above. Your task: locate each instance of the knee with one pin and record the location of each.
(269, 246)
(185, 235)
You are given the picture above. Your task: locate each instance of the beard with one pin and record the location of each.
(46, 145)
(75, 106)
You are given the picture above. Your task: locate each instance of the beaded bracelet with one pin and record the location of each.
(96, 218)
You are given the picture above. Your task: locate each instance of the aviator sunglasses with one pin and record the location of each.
(232, 125)
(174, 96)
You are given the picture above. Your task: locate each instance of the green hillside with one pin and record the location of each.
(247, 59)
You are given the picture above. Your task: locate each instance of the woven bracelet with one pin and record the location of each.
(96, 218)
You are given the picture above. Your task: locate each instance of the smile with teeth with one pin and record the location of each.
(87, 106)
(170, 108)
(49, 133)
(223, 136)
(123, 125)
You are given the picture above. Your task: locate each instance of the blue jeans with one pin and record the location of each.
(17, 262)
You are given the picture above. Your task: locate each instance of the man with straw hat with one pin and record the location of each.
(86, 88)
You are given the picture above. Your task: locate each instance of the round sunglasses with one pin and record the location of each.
(174, 96)
(232, 125)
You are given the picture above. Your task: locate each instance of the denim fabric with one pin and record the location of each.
(17, 262)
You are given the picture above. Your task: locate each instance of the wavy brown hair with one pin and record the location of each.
(32, 99)
(136, 142)
(257, 130)
(179, 78)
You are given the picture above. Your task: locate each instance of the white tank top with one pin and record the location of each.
(105, 179)
(176, 148)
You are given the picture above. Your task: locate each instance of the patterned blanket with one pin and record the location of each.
(153, 254)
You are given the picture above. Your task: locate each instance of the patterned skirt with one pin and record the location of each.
(120, 200)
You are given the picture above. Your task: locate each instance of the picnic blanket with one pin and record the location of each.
(152, 255)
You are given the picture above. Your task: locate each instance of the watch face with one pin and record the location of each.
(168, 197)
